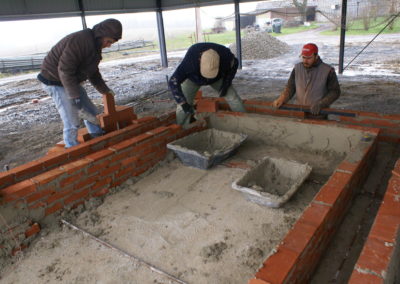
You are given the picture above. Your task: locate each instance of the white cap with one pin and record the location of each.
(209, 64)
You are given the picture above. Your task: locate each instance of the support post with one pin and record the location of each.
(161, 35)
(238, 38)
(82, 9)
(198, 25)
(342, 35)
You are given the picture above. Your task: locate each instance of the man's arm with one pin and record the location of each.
(288, 91)
(97, 81)
(175, 82)
(67, 66)
(228, 78)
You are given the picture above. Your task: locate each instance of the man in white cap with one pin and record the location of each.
(204, 64)
(314, 82)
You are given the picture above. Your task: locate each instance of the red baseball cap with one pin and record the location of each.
(309, 49)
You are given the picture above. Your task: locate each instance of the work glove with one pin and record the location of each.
(315, 108)
(187, 108)
(77, 103)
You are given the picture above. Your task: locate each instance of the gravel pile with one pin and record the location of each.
(260, 45)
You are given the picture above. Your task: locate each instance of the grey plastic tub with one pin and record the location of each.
(273, 181)
(206, 148)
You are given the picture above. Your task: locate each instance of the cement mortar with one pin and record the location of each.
(288, 132)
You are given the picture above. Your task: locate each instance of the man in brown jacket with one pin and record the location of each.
(314, 82)
(73, 60)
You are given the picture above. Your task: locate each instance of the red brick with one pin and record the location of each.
(278, 266)
(120, 156)
(70, 179)
(120, 180)
(347, 166)
(109, 103)
(329, 195)
(375, 256)
(78, 151)
(98, 167)
(159, 131)
(83, 135)
(48, 176)
(145, 119)
(175, 127)
(390, 205)
(20, 189)
(393, 186)
(32, 230)
(77, 196)
(100, 192)
(207, 106)
(85, 182)
(39, 195)
(75, 166)
(99, 155)
(53, 209)
(257, 281)
(59, 195)
(299, 237)
(6, 178)
(364, 278)
(54, 160)
(109, 170)
(102, 182)
(385, 227)
(339, 179)
(27, 170)
(315, 214)
(37, 205)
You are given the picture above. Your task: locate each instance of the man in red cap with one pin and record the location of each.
(314, 82)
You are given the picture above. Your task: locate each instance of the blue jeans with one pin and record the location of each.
(70, 113)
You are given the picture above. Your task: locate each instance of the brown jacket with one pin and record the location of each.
(76, 58)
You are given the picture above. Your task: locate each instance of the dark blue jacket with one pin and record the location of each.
(189, 68)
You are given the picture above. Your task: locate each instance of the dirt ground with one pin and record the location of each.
(28, 130)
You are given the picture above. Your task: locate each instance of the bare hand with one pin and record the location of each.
(277, 103)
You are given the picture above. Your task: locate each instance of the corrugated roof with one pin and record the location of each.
(34, 9)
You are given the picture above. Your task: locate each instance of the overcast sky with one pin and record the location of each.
(36, 36)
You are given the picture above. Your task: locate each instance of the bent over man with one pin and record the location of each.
(314, 82)
(74, 59)
(204, 64)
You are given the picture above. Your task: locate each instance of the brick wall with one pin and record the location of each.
(67, 177)
(379, 261)
(388, 124)
(297, 256)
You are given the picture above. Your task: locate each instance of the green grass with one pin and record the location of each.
(357, 27)
(184, 40)
(293, 30)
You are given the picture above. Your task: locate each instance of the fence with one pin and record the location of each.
(14, 65)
